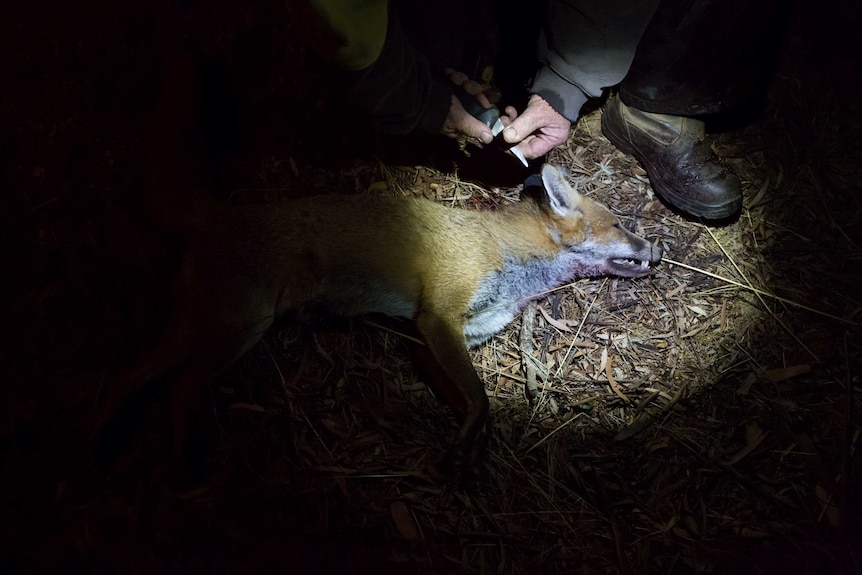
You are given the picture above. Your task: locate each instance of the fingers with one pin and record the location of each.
(535, 146)
(538, 114)
(509, 115)
(471, 87)
(538, 129)
(460, 122)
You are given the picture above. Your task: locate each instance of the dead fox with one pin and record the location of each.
(461, 274)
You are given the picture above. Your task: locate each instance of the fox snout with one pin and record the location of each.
(615, 251)
(637, 264)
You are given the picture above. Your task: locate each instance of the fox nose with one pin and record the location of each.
(655, 253)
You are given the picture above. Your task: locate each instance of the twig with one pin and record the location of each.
(528, 325)
(565, 359)
(757, 291)
(558, 428)
(772, 313)
(847, 447)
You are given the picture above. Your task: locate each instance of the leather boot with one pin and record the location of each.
(683, 169)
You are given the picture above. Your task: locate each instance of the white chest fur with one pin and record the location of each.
(503, 293)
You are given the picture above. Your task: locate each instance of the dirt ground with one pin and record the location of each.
(704, 419)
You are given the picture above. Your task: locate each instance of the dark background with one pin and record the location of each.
(82, 266)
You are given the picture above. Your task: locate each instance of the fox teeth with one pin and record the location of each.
(643, 264)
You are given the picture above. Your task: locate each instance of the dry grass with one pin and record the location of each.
(704, 419)
(684, 422)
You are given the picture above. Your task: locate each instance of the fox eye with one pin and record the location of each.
(618, 226)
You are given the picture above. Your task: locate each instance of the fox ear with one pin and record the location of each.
(562, 197)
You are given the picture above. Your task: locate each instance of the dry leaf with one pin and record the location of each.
(698, 310)
(773, 375)
(248, 406)
(613, 382)
(782, 373)
(754, 436)
(829, 509)
(562, 325)
(403, 522)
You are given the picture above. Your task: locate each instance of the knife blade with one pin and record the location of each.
(488, 116)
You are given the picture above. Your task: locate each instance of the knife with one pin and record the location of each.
(488, 116)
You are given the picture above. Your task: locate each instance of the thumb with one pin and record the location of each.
(476, 129)
(464, 123)
(523, 126)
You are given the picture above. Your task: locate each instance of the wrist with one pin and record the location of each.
(563, 96)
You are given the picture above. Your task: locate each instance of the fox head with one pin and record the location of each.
(591, 233)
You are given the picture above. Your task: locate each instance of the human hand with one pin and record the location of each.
(459, 121)
(538, 129)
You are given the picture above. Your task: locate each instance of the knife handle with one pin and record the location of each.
(487, 116)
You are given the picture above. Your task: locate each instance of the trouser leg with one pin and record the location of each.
(587, 47)
(704, 56)
(695, 57)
